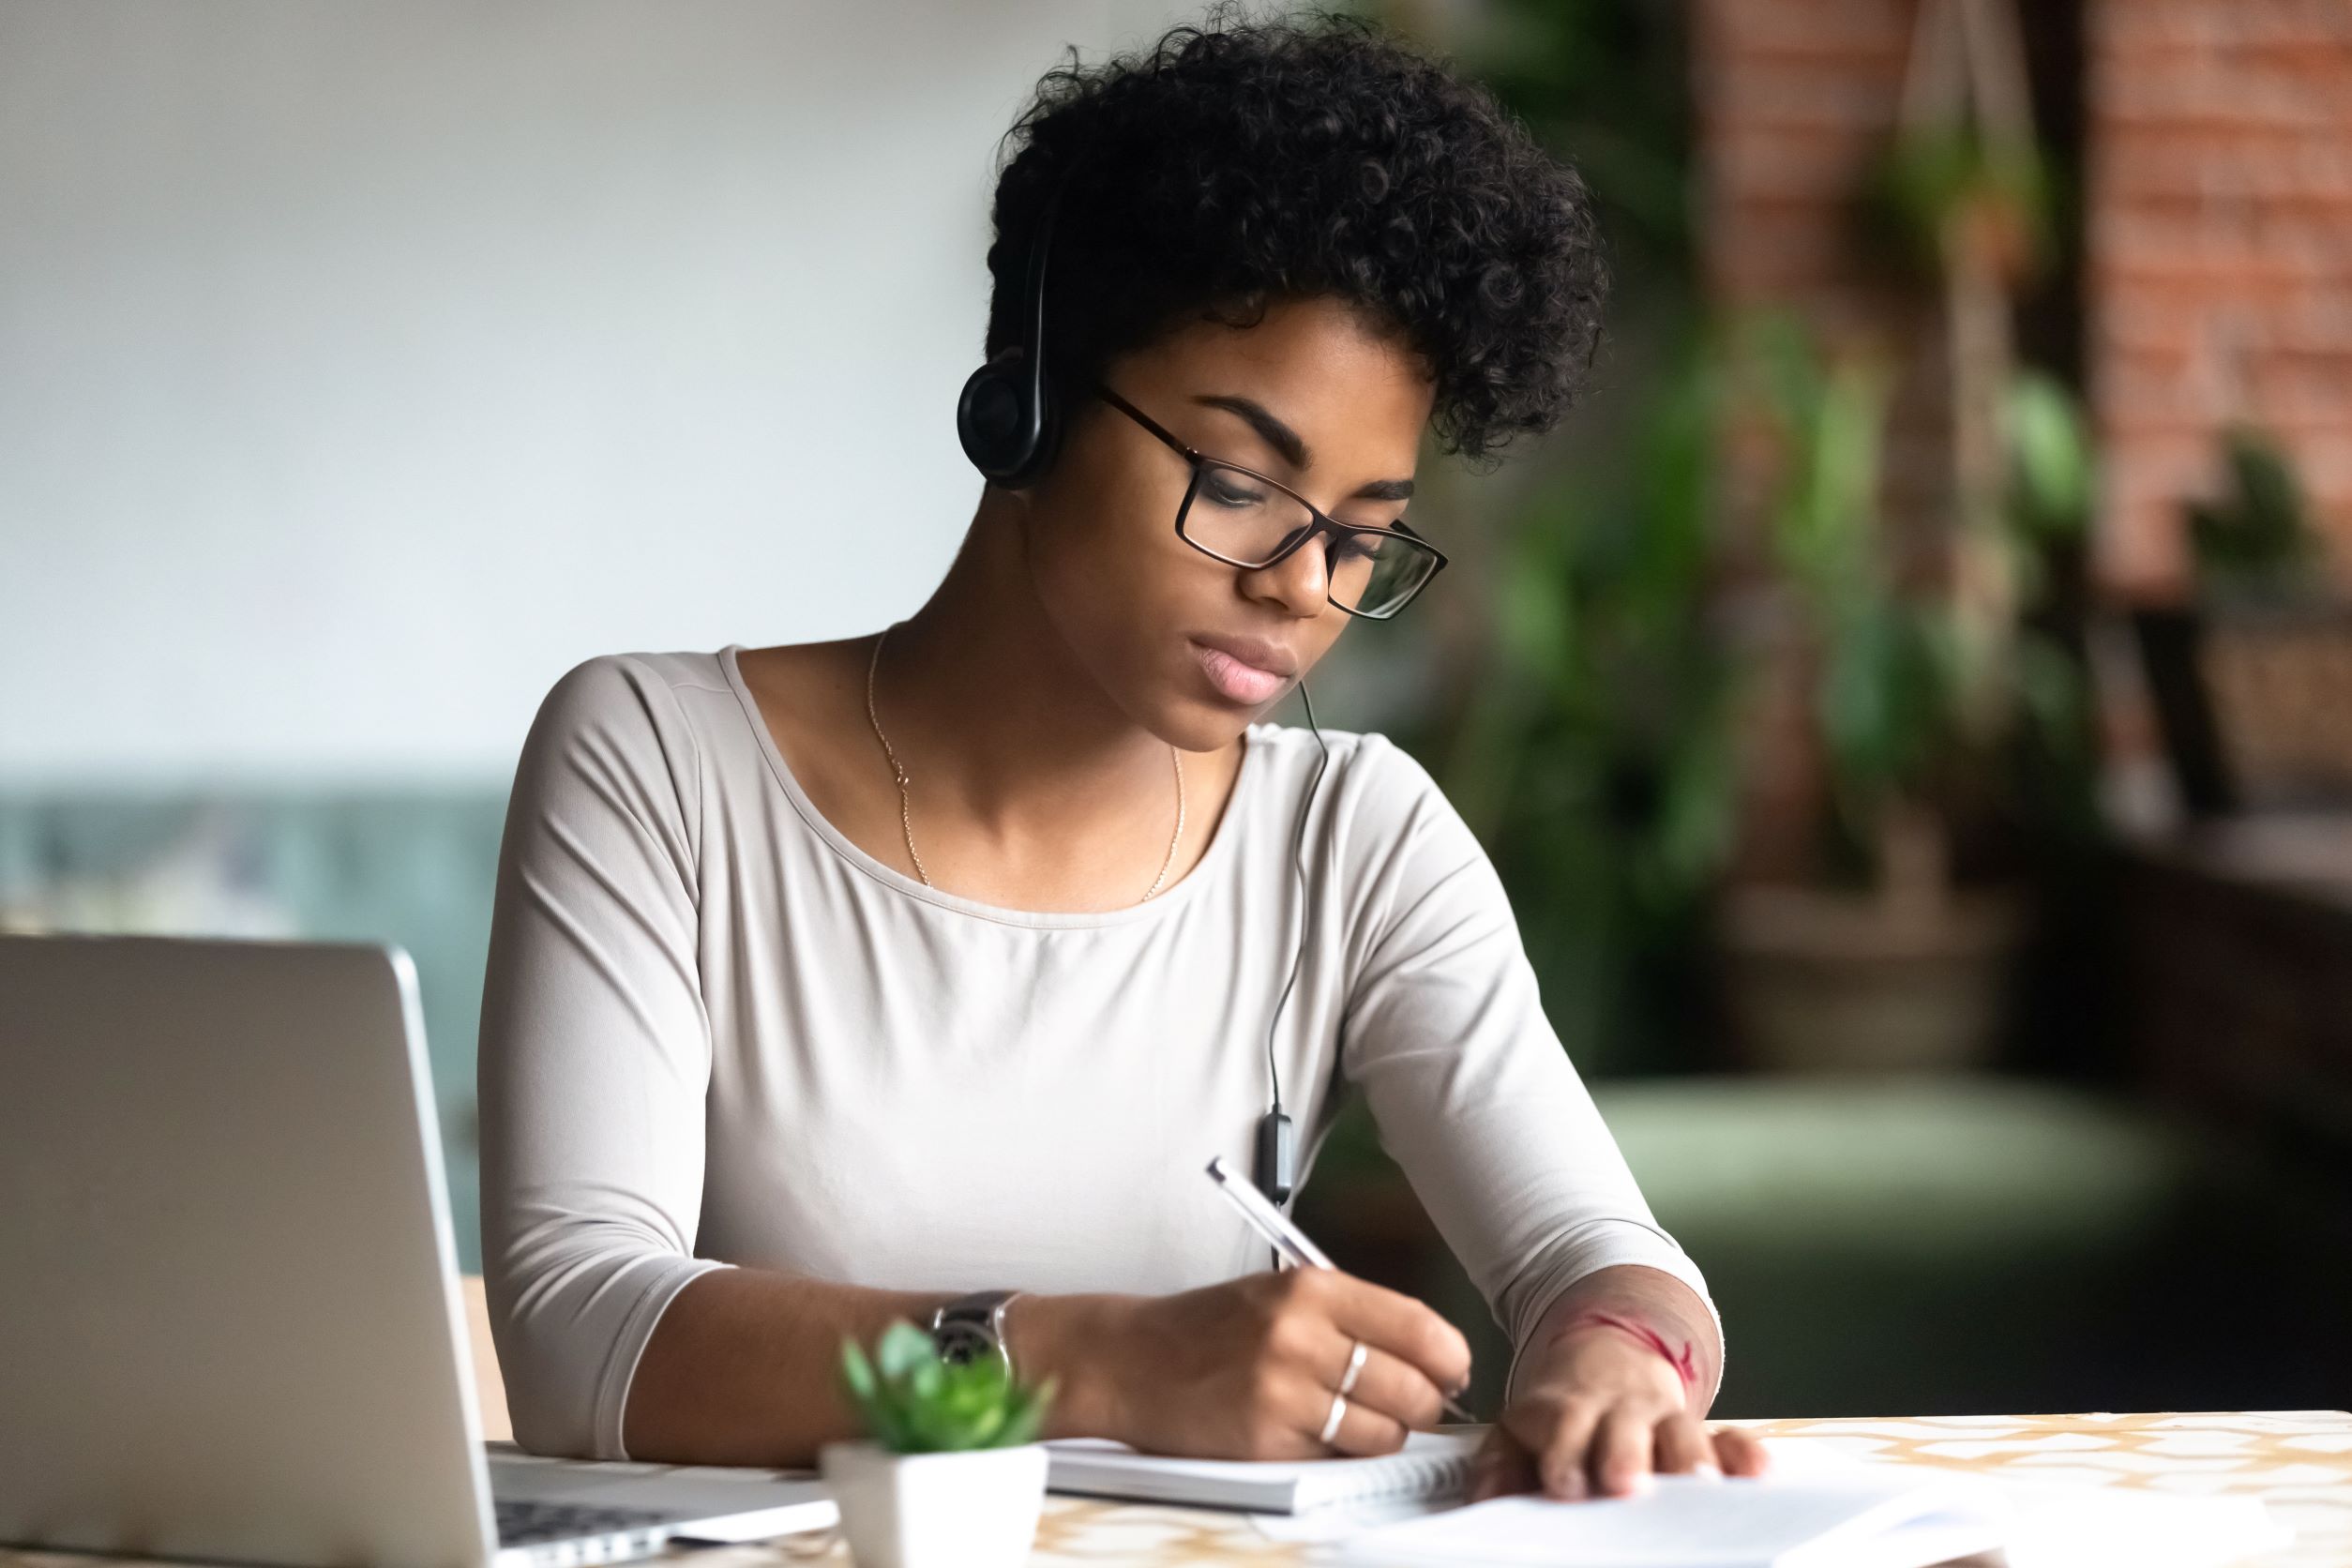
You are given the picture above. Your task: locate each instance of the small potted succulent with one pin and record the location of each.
(951, 1471)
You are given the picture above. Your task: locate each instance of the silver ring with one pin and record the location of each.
(1331, 1422)
(1355, 1365)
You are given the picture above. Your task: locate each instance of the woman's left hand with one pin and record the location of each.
(1606, 1413)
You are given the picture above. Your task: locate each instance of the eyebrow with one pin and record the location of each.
(1285, 440)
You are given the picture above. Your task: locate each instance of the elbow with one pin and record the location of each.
(539, 1429)
(546, 1365)
(568, 1332)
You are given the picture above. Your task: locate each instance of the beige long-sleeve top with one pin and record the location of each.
(716, 1033)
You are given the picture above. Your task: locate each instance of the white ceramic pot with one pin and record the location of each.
(977, 1508)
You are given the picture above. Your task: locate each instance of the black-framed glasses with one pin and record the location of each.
(1251, 520)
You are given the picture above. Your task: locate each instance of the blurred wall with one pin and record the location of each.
(1795, 99)
(2220, 228)
(363, 367)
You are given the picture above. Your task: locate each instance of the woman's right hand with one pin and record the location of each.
(1246, 1369)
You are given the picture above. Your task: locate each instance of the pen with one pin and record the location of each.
(1288, 1240)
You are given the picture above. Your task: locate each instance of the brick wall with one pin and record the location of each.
(2217, 144)
(2212, 279)
(1795, 99)
(2220, 269)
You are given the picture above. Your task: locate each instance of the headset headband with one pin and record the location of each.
(1006, 416)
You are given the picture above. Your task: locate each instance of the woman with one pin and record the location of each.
(840, 982)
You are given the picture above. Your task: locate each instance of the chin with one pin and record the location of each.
(1194, 725)
(1191, 720)
(1177, 704)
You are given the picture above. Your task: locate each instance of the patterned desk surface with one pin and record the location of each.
(2300, 1462)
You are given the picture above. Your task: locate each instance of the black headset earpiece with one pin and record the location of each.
(1005, 416)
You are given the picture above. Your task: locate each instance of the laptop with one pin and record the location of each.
(230, 1318)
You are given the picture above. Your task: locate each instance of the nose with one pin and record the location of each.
(1300, 582)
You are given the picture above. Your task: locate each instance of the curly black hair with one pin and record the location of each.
(1242, 160)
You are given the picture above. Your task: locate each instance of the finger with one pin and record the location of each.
(1407, 1329)
(1683, 1445)
(1289, 1419)
(1361, 1432)
(1621, 1451)
(1502, 1467)
(1739, 1451)
(1559, 1448)
(1396, 1389)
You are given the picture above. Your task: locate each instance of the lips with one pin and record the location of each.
(1271, 656)
(1236, 680)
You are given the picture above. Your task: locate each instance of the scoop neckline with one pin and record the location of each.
(1175, 894)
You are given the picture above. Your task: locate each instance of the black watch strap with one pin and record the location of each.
(972, 1325)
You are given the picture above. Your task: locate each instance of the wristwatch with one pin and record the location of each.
(972, 1326)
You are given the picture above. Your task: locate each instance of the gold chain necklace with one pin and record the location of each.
(906, 821)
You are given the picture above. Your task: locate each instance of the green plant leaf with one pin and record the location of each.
(2258, 534)
(858, 1373)
(903, 1349)
(1026, 1412)
(2051, 454)
(918, 1403)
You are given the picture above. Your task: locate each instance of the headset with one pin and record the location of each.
(1011, 427)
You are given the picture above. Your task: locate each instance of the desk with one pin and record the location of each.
(2300, 1462)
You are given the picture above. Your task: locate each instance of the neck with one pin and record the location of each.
(1001, 726)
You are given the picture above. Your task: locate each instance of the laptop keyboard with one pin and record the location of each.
(522, 1523)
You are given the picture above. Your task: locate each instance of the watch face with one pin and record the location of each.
(962, 1340)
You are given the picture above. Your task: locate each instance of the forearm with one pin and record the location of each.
(1646, 1296)
(744, 1367)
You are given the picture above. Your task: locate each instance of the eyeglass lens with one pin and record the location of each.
(1244, 520)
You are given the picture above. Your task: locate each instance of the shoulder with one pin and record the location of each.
(606, 684)
(628, 698)
(1364, 764)
(1293, 749)
(619, 720)
(1398, 856)
(1376, 800)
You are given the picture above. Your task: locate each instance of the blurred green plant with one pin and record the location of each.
(2255, 539)
(1911, 690)
(1582, 717)
(1574, 714)
(913, 1402)
(1944, 183)
(1594, 758)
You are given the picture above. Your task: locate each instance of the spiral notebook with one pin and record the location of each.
(1430, 1465)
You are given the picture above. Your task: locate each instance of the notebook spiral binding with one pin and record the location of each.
(1398, 1477)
